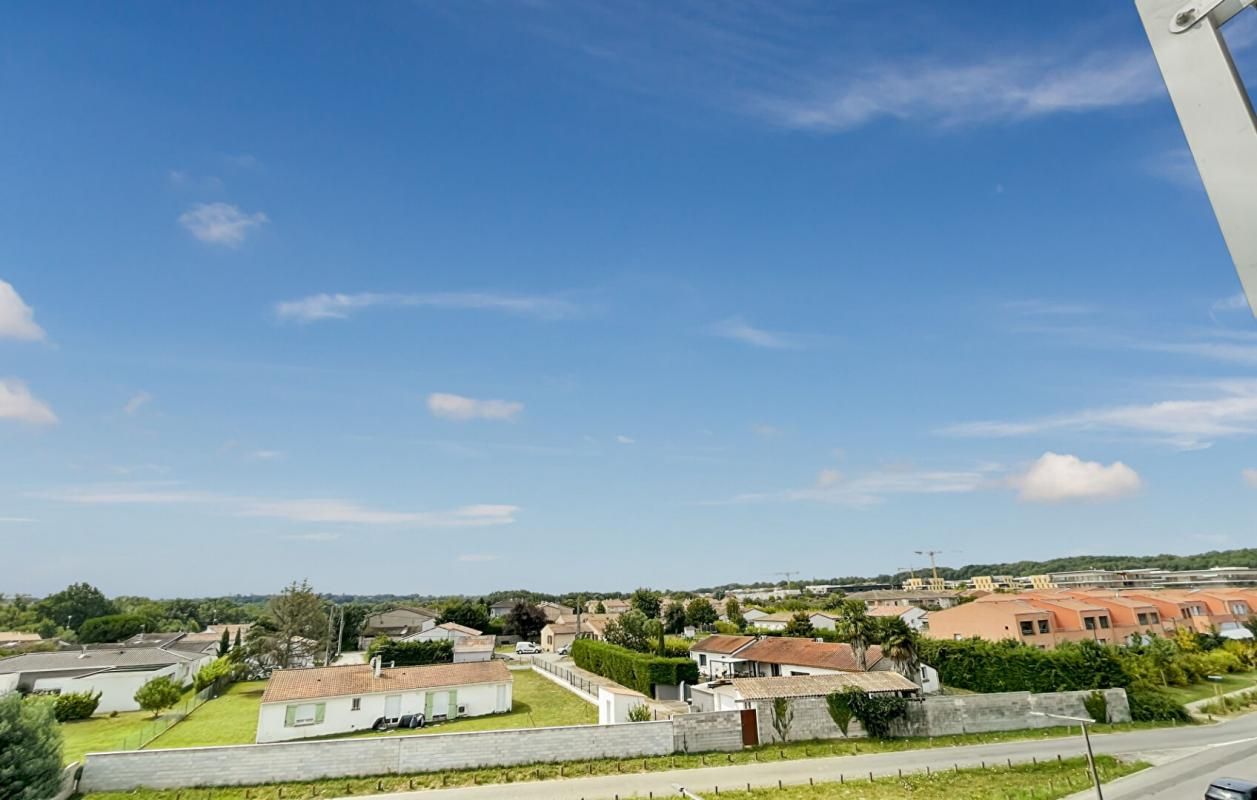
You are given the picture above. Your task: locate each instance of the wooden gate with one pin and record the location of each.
(750, 728)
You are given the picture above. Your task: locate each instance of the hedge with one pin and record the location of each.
(75, 705)
(411, 654)
(982, 666)
(630, 668)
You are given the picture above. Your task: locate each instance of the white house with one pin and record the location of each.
(916, 618)
(776, 656)
(302, 703)
(751, 615)
(473, 648)
(115, 673)
(446, 631)
(615, 702)
(395, 623)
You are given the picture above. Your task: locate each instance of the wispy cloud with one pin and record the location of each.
(342, 306)
(874, 487)
(137, 401)
(17, 320)
(477, 558)
(739, 330)
(311, 510)
(1175, 165)
(182, 179)
(220, 223)
(18, 404)
(266, 455)
(1228, 411)
(1055, 478)
(622, 439)
(17, 520)
(462, 409)
(1236, 302)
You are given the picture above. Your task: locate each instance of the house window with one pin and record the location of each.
(355, 704)
(1089, 623)
(304, 714)
(1104, 622)
(1043, 626)
(957, 636)
(702, 659)
(1143, 619)
(1155, 617)
(1027, 628)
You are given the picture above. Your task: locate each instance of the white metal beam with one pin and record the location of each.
(1217, 117)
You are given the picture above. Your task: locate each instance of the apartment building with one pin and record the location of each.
(995, 618)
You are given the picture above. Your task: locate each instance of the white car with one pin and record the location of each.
(526, 648)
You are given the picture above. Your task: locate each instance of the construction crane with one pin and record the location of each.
(1214, 109)
(931, 554)
(786, 574)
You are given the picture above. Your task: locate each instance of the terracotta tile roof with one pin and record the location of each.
(721, 643)
(454, 626)
(474, 643)
(890, 611)
(306, 684)
(807, 653)
(819, 685)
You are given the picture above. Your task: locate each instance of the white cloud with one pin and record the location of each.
(17, 403)
(17, 320)
(740, 330)
(828, 477)
(477, 558)
(765, 431)
(16, 520)
(266, 455)
(462, 409)
(1230, 411)
(1057, 477)
(320, 536)
(220, 223)
(341, 306)
(161, 493)
(1250, 477)
(340, 511)
(622, 439)
(997, 89)
(137, 401)
(1236, 302)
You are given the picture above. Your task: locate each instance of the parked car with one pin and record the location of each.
(1231, 789)
(565, 650)
(408, 721)
(527, 648)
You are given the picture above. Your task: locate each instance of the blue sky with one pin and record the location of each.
(424, 297)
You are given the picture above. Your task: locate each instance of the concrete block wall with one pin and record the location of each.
(811, 721)
(708, 731)
(980, 713)
(297, 761)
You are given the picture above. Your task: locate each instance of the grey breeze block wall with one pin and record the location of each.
(943, 716)
(707, 731)
(298, 761)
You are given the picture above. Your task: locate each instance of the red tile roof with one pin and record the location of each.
(808, 653)
(306, 684)
(721, 643)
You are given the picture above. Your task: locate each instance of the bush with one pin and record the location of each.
(158, 694)
(30, 748)
(639, 713)
(411, 654)
(629, 668)
(224, 669)
(1148, 704)
(112, 628)
(674, 647)
(876, 712)
(982, 666)
(1097, 706)
(75, 705)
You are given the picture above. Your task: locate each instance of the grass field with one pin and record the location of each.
(1044, 781)
(1205, 691)
(229, 719)
(101, 734)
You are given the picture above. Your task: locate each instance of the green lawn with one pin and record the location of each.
(229, 719)
(102, 734)
(536, 702)
(1204, 691)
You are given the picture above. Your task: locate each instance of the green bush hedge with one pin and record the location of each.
(982, 666)
(411, 654)
(75, 705)
(1148, 704)
(630, 668)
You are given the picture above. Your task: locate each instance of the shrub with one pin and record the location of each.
(30, 748)
(839, 710)
(1148, 704)
(630, 668)
(75, 705)
(639, 713)
(1097, 706)
(158, 694)
(783, 717)
(111, 628)
(224, 669)
(982, 666)
(411, 654)
(674, 647)
(876, 712)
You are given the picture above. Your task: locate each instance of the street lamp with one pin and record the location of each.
(1086, 737)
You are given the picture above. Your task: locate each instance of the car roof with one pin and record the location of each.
(1234, 783)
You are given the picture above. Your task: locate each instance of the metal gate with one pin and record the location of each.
(750, 728)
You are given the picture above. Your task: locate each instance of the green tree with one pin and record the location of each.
(158, 694)
(111, 628)
(74, 605)
(701, 613)
(674, 618)
(466, 612)
(632, 630)
(525, 621)
(224, 643)
(800, 625)
(30, 748)
(733, 612)
(783, 717)
(647, 602)
(857, 628)
(839, 710)
(236, 646)
(601, 608)
(291, 631)
(876, 712)
(899, 643)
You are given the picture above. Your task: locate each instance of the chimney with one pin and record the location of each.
(376, 664)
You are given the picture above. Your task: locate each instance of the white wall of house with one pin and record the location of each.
(717, 665)
(769, 624)
(117, 689)
(822, 622)
(614, 706)
(328, 715)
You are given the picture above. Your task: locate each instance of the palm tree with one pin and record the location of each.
(900, 645)
(858, 626)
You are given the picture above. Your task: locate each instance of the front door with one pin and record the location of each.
(392, 707)
(750, 728)
(440, 704)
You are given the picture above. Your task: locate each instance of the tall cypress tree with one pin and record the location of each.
(237, 647)
(224, 643)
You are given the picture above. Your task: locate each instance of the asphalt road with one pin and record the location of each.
(1185, 757)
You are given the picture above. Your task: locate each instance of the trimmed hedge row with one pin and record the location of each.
(411, 654)
(630, 668)
(982, 666)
